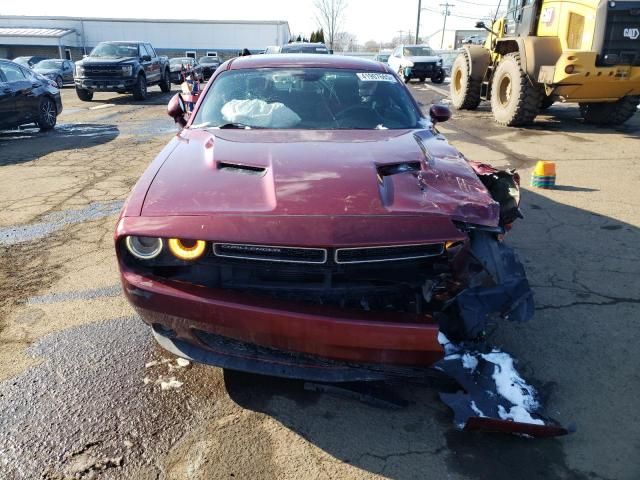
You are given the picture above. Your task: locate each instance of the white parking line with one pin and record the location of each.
(439, 90)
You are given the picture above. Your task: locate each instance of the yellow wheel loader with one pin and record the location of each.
(543, 51)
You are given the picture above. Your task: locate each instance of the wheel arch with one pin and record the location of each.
(535, 52)
(479, 60)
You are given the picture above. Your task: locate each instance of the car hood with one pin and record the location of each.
(427, 58)
(106, 61)
(317, 173)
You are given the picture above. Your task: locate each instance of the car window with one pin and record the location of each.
(151, 52)
(12, 73)
(310, 98)
(52, 64)
(417, 51)
(115, 50)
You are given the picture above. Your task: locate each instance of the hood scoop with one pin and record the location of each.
(240, 168)
(397, 168)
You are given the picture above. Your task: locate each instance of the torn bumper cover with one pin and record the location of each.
(495, 398)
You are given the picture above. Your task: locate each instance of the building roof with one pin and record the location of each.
(147, 20)
(35, 32)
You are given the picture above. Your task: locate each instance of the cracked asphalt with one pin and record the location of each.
(80, 391)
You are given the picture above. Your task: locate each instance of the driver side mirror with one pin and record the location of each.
(177, 109)
(439, 113)
(480, 25)
(146, 58)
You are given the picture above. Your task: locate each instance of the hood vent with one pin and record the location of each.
(239, 168)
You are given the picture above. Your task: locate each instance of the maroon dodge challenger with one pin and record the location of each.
(309, 221)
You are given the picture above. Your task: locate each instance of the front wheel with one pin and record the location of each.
(464, 89)
(140, 88)
(613, 113)
(84, 95)
(59, 82)
(438, 78)
(165, 83)
(47, 114)
(515, 100)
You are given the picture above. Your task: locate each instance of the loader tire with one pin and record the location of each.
(515, 100)
(464, 90)
(613, 113)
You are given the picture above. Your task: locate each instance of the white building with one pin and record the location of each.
(73, 36)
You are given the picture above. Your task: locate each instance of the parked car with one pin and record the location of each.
(448, 57)
(26, 97)
(209, 65)
(309, 221)
(29, 61)
(121, 67)
(304, 47)
(58, 70)
(474, 39)
(181, 66)
(417, 61)
(382, 57)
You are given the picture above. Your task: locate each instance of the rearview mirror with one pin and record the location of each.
(439, 113)
(177, 109)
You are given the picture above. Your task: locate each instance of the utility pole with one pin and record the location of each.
(418, 22)
(446, 14)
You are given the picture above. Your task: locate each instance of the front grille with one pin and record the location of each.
(622, 36)
(103, 71)
(270, 253)
(426, 67)
(387, 254)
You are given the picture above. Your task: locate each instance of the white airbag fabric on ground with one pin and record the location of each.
(258, 113)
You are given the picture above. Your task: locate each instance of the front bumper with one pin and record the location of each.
(588, 82)
(187, 313)
(117, 84)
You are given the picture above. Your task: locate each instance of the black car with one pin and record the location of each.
(181, 66)
(209, 65)
(26, 97)
(56, 69)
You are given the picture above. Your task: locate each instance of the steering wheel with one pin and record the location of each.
(359, 112)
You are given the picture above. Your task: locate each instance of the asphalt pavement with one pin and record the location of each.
(85, 393)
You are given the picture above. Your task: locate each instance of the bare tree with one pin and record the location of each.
(329, 14)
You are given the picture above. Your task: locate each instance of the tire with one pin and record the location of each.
(422, 79)
(515, 101)
(84, 95)
(614, 113)
(546, 102)
(47, 114)
(464, 90)
(140, 88)
(438, 78)
(59, 82)
(165, 83)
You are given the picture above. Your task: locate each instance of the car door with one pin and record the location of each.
(20, 88)
(7, 101)
(154, 66)
(67, 71)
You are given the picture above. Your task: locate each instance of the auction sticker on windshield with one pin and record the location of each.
(376, 77)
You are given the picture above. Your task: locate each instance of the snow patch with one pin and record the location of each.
(469, 362)
(476, 410)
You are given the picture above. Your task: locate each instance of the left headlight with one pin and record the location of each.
(144, 248)
(79, 71)
(127, 70)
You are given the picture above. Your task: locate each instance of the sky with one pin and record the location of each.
(378, 20)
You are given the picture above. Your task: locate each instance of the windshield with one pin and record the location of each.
(209, 60)
(50, 64)
(115, 50)
(21, 61)
(310, 98)
(417, 51)
(181, 61)
(304, 49)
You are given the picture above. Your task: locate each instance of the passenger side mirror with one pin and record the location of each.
(480, 25)
(146, 58)
(177, 109)
(439, 113)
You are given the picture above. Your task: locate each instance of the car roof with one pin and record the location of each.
(309, 60)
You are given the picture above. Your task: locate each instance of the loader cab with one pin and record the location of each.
(522, 18)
